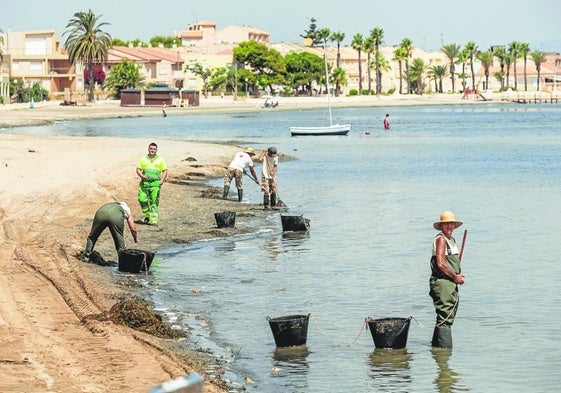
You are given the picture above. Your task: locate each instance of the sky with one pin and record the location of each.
(428, 23)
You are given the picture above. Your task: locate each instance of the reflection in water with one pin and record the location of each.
(447, 379)
(294, 240)
(390, 368)
(272, 247)
(291, 364)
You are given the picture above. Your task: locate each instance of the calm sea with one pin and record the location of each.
(372, 200)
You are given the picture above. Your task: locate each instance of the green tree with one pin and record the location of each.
(400, 55)
(125, 75)
(338, 37)
(407, 46)
(266, 64)
(452, 51)
(338, 79)
(486, 60)
(463, 59)
(377, 35)
(312, 33)
(358, 44)
(303, 68)
(472, 49)
(514, 50)
(166, 41)
(418, 70)
(500, 54)
(368, 47)
(86, 42)
(437, 73)
(524, 50)
(381, 64)
(538, 58)
(204, 73)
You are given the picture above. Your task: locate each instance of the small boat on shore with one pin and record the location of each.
(333, 129)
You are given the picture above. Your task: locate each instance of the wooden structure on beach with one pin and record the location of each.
(530, 97)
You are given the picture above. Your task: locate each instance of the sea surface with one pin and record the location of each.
(371, 198)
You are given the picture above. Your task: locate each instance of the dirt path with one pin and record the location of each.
(49, 340)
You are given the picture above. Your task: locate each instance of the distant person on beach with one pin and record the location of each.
(164, 114)
(153, 171)
(445, 278)
(387, 121)
(270, 161)
(236, 169)
(111, 215)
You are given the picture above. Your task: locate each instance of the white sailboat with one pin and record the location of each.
(331, 129)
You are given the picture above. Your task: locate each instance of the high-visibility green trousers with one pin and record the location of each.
(149, 199)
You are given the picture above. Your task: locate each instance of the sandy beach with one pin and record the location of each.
(53, 335)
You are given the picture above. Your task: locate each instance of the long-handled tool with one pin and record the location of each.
(463, 244)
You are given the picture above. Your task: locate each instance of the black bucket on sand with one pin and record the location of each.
(225, 219)
(290, 330)
(294, 223)
(134, 261)
(389, 332)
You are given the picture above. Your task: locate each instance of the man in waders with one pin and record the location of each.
(445, 278)
(270, 161)
(235, 170)
(153, 171)
(111, 215)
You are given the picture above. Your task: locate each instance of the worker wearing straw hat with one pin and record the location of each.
(445, 278)
(235, 170)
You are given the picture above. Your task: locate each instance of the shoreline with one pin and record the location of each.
(55, 184)
(49, 112)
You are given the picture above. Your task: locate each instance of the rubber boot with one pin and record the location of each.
(226, 191)
(240, 195)
(442, 337)
(274, 201)
(88, 252)
(265, 202)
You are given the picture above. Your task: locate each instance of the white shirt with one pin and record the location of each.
(241, 161)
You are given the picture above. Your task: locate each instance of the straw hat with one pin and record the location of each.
(249, 150)
(446, 216)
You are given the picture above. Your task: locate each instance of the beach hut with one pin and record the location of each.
(130, 97)
(160, 95)
(191, 97)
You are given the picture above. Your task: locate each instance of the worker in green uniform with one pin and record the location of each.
(111, 215)
(153, 171)
(445, 278)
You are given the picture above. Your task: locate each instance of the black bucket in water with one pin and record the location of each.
(135, 261)
(389, 332)
(294, 223)
(290, 330)
(225, 219)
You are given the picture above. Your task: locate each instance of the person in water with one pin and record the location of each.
(270, 161)
(387, 121)
(445, 277)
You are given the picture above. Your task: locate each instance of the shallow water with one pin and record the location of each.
(372, 200)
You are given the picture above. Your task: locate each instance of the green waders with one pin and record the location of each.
(149, 199)
(110, 216)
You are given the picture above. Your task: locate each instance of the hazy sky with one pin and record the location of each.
(428, 23)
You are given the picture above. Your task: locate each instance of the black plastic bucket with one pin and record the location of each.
(389, 332)
(290, 330)
(225, 219)
(134, 261)
(294, 223)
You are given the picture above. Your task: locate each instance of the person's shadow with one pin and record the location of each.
(447, 379)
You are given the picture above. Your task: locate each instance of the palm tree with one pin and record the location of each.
(87, 42)
(378, 35)
(407, 46)
(463, 58)
(524, 50)
(486, 60)
(501, 54)
(382, 64)
(368, 47)
(400, 56)
(418, 69)
(437, 72)
(357, 44)
(514, 50)
(507, 61)
(338, 78)
(1, 43)
(451, 51)
(471, 47)
(538, 58)
(338, 37)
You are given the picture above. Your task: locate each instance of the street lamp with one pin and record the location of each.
(246, 87)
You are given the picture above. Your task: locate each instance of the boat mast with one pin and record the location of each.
(327, 83)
